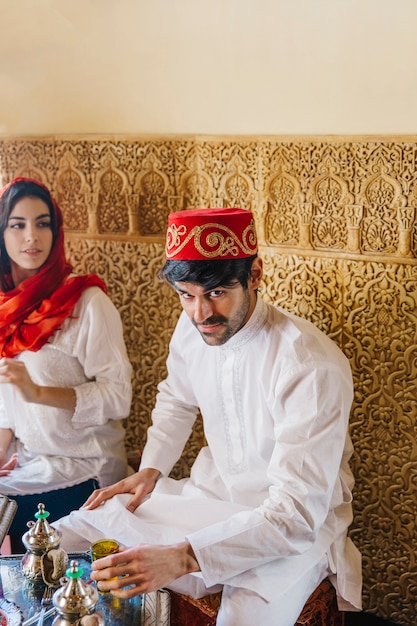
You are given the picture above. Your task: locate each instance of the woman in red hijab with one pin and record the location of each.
(65, 379)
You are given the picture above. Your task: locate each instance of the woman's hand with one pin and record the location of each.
(15, 373)
(143, 568)
(139, 485)
(8, 466)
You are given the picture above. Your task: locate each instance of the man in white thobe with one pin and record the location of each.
(265, 512)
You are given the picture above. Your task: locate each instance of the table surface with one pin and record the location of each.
(16, 589)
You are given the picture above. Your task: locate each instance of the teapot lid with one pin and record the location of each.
(75, 596)
(41, 534)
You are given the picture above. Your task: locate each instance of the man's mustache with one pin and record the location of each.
(216, 319)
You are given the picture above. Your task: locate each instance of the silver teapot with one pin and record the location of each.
(39, 539)
(75, 599)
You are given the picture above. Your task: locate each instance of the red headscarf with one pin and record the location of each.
(31, 312)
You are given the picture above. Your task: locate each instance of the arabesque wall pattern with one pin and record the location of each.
(337, 225)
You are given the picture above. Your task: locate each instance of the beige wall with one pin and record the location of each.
(208, 66)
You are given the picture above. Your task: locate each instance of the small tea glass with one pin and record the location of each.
(102, 548)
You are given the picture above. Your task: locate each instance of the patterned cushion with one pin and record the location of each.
(319, 610)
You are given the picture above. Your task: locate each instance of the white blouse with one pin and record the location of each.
(59, 448)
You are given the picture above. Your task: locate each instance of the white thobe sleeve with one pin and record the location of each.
(173, 416)
(101, 350)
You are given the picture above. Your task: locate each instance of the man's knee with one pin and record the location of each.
(243, 607)
(246, 608)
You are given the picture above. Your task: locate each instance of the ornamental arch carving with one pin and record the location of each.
(112, 213)
(329, 197)
(197, 190)
(73, 195)
(283, 199)
(337, 225)
(382, 199)
(236, 186)
(153, 190)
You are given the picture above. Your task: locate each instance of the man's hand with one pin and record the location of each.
(139, 485)
(143, 568)
(8, 466)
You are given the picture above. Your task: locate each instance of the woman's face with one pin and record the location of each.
(28, 237)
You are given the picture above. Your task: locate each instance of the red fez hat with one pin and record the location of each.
(210, 234)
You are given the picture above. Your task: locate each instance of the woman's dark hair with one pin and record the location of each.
(210, 274)
(18, 190)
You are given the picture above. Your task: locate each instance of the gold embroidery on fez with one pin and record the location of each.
(174, 236)
(215, 243)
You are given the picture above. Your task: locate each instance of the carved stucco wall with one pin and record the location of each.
(337, 226)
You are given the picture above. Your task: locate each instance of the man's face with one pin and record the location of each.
(219, 313)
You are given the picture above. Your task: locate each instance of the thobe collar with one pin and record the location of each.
(250, 329)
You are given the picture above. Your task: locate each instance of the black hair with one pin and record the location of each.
(18, 190)
(210, 274)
